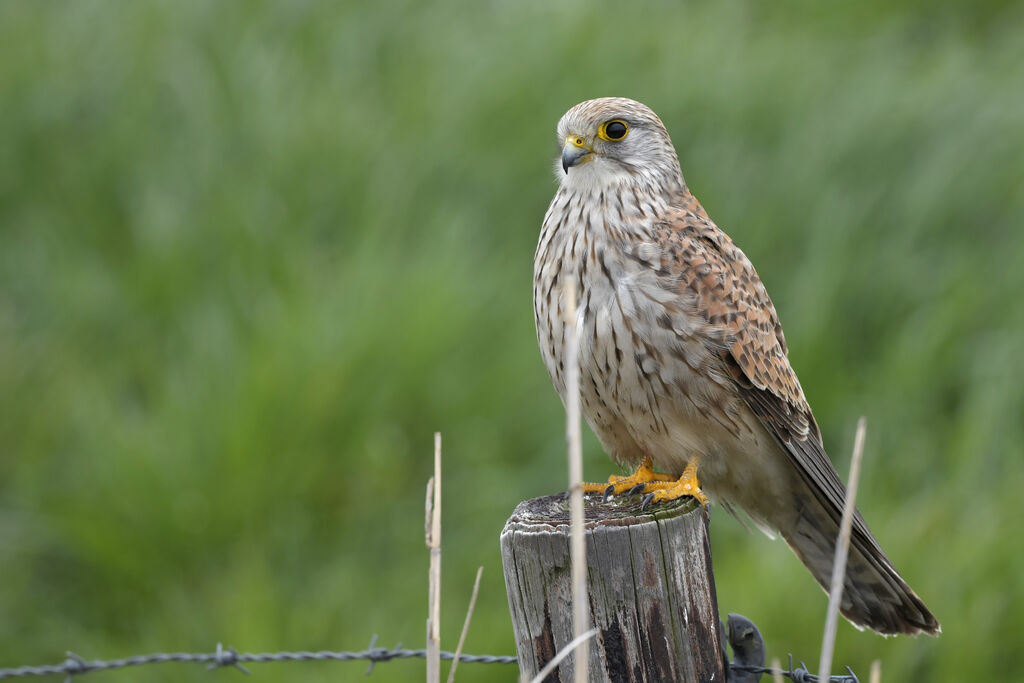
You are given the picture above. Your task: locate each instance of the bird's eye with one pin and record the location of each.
(613, 130)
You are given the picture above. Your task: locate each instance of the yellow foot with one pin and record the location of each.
(657, 487)
(643, 476)
(686, 485)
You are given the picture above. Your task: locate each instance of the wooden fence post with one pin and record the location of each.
(651, 589)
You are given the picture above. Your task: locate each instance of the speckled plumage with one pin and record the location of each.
(682, 355)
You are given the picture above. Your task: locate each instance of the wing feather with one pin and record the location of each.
(744, 326)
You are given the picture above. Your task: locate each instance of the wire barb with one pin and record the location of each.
(371, 651)
(226, 656)
(74, 665)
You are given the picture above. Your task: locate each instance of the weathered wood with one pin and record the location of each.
(652, 593)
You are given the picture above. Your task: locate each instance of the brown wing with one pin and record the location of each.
(745, 330)
(708, 265)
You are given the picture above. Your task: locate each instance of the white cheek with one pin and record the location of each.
(593, 175)
(559, 173)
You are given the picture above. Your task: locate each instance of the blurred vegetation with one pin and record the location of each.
(253, 254)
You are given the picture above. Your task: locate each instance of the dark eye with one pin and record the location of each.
(613, 130)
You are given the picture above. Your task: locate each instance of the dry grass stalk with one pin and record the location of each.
(876, 671)
(580, 603)
(433, 521)
(776, 670)
(465, 625)
(565, 652)
(839, 562)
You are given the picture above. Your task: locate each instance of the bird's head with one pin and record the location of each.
(614, 140)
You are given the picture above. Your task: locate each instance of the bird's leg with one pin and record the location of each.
(686, 485)
(644, 476)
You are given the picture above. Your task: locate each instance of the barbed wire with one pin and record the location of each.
(799, 675)
(75, 665)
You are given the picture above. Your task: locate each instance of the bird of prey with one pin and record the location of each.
(683, 364)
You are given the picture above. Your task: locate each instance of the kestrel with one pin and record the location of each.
(683, 364)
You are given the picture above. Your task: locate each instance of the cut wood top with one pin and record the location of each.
(553, 512)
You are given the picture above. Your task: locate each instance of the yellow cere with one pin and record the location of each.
(577, 141)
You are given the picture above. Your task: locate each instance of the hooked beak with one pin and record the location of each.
(574, 151)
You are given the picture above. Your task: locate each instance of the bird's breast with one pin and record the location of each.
(579, 243)
(646, 379)
(622, 303)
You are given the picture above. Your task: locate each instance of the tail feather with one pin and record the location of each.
(874, 594)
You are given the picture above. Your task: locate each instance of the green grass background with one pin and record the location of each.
(253, 254)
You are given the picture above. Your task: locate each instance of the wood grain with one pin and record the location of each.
(651, 589)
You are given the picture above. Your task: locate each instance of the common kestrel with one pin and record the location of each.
(683, 364)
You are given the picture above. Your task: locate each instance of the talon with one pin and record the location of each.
(686, 485)
(639, 488)
(648, 497)
(633, 483)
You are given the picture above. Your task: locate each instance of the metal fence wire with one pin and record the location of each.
(75, 665)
